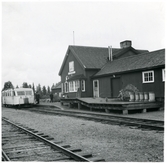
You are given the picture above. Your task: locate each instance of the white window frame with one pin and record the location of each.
(74, 85)
(83, 85)
(62, 88)
(71, 68)
(71, 86)
(163, 75)
(147, 72)
(66, 87)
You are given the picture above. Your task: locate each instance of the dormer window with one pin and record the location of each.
(71, 67)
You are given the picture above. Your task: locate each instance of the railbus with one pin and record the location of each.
(18, 97)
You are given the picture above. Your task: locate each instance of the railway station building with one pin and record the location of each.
(103, 72)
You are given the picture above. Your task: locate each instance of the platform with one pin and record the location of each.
(113, 104)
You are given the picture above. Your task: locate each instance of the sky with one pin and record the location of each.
(36, 34)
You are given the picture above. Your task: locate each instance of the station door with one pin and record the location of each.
(115, 87)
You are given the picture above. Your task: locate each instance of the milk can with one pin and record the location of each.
(151, 96)
(132, 96)
(145, 96)
(141, 96)
(136, 96)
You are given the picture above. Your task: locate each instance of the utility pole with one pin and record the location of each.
(73, 39)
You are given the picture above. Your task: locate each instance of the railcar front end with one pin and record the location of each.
(18, 97)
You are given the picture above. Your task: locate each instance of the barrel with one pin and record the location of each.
(145, 96)
(132, 96)
(151, 96)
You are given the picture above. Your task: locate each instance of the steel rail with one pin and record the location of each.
(4, 156)
(53, 145)
(141, 123)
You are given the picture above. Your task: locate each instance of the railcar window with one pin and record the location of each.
(13, 93)
(19, 93)
(28, 92)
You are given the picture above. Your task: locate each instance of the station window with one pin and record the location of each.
(148, 76)
(71, 68)
(163, 74)
(73, 86)
(83, 85)
(66, 87)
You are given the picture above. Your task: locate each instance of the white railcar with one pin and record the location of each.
(18, 97)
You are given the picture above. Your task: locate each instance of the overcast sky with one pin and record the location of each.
(36, 35)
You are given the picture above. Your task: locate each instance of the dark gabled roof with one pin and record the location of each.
(77, 77)
(140, 61)
(124, 50)
(94, 57)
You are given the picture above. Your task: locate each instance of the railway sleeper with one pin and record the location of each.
(23, 145)
(40, 157)
(36, 153)
(18, 138)
(96, 159)
(11, 135)
(20, 148)
(74, 149)
(65, 146)
(84, 154)
(24, 150)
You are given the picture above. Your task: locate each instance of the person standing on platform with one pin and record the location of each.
(51, 97)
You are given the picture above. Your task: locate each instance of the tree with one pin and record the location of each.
(39, 89)
(48, 90)
(25, 85)
(44, 90)
(8, 85)
(17, 86)
(29, 85)
(33, 87)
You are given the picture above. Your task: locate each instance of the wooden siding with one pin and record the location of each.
(78, 70)
(104, 87)
(134, 78)
(77, 67)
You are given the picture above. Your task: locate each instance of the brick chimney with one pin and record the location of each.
(125, 44)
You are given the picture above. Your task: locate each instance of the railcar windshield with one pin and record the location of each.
(20, 93)
(28, 92)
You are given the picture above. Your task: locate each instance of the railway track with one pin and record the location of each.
(24, 144)
(106, 118)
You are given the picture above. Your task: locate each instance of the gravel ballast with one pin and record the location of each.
(112, 142)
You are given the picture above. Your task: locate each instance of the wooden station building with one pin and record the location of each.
(98, 72)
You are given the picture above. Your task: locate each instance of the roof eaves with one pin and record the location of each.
(61, 68)
(127, 71)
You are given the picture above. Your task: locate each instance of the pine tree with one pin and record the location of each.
(48, 90)
(33, 87)
(44, 90)
(39, 89)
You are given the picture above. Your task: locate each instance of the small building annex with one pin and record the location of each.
(103, 72)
